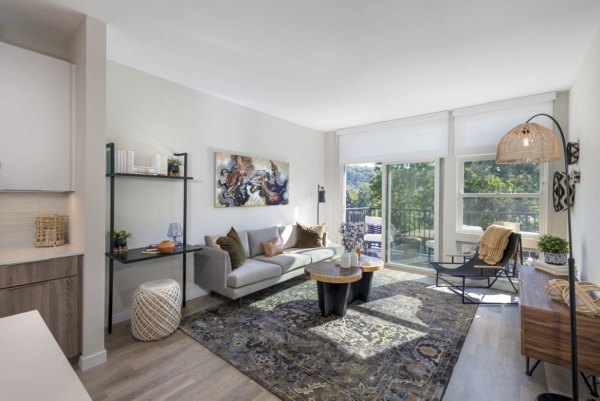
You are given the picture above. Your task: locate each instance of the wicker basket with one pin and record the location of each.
(50, 230)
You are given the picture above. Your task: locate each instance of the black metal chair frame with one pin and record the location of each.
(469, 270)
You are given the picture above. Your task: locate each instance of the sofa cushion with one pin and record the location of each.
(287, 261)
(255, 237)
(232, 245)
(289, 235)
(252, 271)
(318, 254)
(310, 236)
(273, 247)
(211, 241)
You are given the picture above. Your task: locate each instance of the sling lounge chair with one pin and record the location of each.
(475, 269)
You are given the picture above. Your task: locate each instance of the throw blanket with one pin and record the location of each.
(492, 244)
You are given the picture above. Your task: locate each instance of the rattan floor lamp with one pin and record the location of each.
(533, 143)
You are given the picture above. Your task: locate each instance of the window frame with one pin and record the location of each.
(461, 196)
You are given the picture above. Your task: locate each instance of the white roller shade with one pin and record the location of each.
(477, 130)
(398, 140)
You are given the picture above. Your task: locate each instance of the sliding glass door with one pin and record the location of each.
(411, 219)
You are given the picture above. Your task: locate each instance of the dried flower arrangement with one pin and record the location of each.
(352, 235)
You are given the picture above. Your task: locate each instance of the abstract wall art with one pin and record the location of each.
(250, 181)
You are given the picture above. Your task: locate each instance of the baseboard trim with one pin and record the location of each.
(90, 361)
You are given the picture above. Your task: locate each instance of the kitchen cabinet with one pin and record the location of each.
(50, 287)
(36, 113)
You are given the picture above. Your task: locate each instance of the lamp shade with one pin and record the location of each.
(321, 194)
(528, 143)
(174, 230)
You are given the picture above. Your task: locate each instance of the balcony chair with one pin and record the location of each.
(477, 269)
(373, 236)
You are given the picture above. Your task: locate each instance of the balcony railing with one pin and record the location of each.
(419, 222)
(404, 222)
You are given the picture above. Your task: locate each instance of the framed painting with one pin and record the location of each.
(250, 181)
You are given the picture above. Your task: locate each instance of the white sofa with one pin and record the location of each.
(212, 266)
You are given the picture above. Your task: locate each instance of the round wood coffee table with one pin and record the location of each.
(362, 288)
(333, 285)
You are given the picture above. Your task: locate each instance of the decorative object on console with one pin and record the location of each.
(173, 166)
(557, 270)
(533, 143)
(120, 241)
(50, 230)
(166, 246)
(555, 287)
(320, 199)
(310, 236)
(250, 181)
(585, 303)
(352, 235)
(555, 249)
(174, 232)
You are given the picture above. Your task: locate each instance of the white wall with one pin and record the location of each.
(150, 115)
(584, 125)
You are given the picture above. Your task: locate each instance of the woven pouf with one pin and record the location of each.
(156, 309)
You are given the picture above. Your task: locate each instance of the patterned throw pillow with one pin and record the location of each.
(310, 236)
(233, 245)
(272, 247)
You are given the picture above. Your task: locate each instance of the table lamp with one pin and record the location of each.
(174, 232)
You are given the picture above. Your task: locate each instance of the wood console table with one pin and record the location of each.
(545, 327)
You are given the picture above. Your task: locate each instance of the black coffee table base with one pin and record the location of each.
(360, 290)
(333, 298)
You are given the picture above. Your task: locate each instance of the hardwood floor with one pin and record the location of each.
(490, 366)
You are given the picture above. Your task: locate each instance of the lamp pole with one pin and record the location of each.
(572, 296)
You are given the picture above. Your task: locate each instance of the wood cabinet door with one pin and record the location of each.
(56, 300)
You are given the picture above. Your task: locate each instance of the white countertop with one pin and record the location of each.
(32, 366)
(11, 256)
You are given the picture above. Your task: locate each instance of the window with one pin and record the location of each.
(492, 193)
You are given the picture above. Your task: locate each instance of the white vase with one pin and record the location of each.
(353, 259)
(345, 261)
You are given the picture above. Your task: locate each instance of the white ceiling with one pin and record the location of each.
(329, 64)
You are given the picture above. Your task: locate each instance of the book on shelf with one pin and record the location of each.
(557, 270)
(159, 162)
(124, 161)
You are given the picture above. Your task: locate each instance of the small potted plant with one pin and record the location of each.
(555, 249)
(120, 240)
(173, 166)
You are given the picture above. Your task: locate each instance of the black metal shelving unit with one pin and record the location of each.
(136, 255)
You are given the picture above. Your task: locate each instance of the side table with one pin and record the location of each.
(361, 289)
(333, 285)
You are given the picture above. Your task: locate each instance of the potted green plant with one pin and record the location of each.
(555, 249)
(173, 166)
(120, 239)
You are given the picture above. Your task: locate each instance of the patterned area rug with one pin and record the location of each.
(401, 345)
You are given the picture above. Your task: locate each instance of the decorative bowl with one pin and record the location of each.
(166, 246)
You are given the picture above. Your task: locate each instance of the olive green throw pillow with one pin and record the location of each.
(310, 236)
(233, 245)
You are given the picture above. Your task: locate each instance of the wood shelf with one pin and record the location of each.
(161, 177)
(136, 255)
